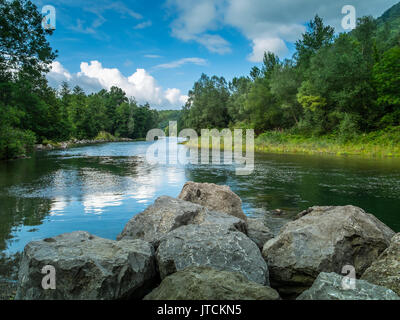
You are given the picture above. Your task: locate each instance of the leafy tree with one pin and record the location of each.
(386, 74)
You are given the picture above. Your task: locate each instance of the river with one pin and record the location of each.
(98, 188)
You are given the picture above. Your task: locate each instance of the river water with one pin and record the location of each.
(98, 188)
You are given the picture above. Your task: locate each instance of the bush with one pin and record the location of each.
(348, 128)
(15, 143)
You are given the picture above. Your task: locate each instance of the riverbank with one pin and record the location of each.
(103, 137)
(381, 144)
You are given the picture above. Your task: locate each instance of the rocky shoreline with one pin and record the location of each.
(201, 246)
(75, 143)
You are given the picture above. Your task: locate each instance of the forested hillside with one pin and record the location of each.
(32, 112)
(336, 86)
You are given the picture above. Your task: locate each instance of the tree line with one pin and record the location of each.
(33, 112)
(335, 84)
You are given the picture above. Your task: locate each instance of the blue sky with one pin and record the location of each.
(155, 50)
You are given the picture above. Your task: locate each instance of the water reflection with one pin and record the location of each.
(99, 188)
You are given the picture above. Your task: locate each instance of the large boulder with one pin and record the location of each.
(258, 231)
(331, 286)
(386, 270)
(213, 197)
(87, 268)
(325, 239)
(213, 246)
(167, 214)
(205, 283)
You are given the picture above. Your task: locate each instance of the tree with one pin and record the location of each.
(386, 75)
(207, 106)
(317, 36)
(23, 43)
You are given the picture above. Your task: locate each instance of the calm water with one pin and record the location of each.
(99, 188)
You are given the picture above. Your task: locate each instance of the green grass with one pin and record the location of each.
(379, 144)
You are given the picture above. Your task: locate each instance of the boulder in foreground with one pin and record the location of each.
(329, 286)
(213, 246)
(87, 268)
(386, 270)
(324, 239)
(205, 283)
(258, 231)
(213, 197)
(167, 214)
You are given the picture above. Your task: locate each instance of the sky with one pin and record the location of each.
(156, 50)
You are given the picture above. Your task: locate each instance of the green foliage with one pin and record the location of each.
(337, 90)
(207, 106)
(386, 75)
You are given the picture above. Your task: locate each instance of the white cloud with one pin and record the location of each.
(195, 19)
(266, 24)
(143, 25)
(261, 45)
(174, 96)
(178, 63)
(141, 85)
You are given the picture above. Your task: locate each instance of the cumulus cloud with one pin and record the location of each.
(261, 45)
(267, 24)
(94, 77)
(195, 21)
(178, 63)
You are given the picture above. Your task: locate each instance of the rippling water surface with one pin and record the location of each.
(98, 188)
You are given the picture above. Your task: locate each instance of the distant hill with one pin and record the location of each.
(165, 116)
(388, 32)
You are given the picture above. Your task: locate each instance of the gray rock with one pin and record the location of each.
(205, 283)
(214, 246)
(331, 286)
(168, 213)
(323, 240)
(258, 231)
(214, 197)
(87, 268)
(386, 270)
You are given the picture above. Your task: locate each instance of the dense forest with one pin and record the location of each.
(32, 112)
(341, 85)
(337, 85)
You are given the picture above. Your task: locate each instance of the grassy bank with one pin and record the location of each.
(379, 144)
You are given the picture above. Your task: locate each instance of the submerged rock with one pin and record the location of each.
(324, 239)
(258, 231)
(87, 268)
(329, 286)
(205, 283)
(167, 214)
(385, 271)
(213, 246)
(214, 197)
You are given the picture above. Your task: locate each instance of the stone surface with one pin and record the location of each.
(213, 197)
(325, 239)
(258, 231)
(87, 268)
(168, 213)
(386, 270)
(332, 286)
(213, 246)
(205, 283)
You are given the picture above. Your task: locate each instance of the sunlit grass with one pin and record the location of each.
(379, 144)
